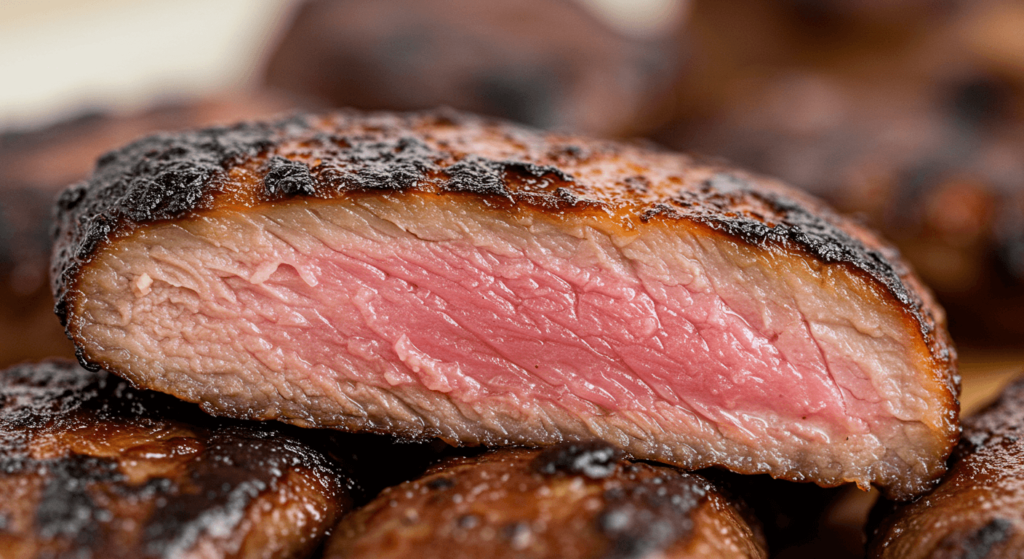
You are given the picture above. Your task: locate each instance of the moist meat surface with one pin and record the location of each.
(572, 501)
(437, 274)
(90, 467)
(978, 509)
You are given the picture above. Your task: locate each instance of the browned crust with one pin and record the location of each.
(978, 509)
(114, 471)
(578, 501)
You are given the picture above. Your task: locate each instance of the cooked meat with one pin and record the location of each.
(978, 509)
(548, 63)
(573, 501)
(35, 165)
(908, 125)
(90, 467)
(442, 275)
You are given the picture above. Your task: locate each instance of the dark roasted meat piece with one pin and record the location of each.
(442, 275)
(548, 63)
(573, 501)
(92, 468)
(978, 509)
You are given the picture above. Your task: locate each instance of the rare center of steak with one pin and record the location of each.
(436, 274)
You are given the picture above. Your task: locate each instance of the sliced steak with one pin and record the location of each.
(442, 275)
(978, 509)
(90, 467)
(572, 501)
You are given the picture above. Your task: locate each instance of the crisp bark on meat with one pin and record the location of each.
(548, 63)
(572, 501)
(978, 509)
(90, 467)
(442, 275)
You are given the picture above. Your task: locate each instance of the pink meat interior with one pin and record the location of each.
(673, 327)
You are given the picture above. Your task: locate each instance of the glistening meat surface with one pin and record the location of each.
(442, 275)
(571, 501)
(92, 468)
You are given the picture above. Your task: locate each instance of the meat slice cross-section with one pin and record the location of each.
(437, 274)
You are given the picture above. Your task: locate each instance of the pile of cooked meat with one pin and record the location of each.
(352, 334)
(604, 317)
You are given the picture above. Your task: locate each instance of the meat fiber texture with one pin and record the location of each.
(92, 468)
(441, 275)
(978, 509)
(571, 501)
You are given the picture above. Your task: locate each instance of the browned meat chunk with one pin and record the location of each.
(443, 275)
(978, 509)
(90, 467)
(549, 63)
(573, 501)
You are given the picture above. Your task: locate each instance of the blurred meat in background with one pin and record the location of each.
(908, 114)
(549, 63)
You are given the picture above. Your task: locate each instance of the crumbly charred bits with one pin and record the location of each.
(571, 501)
(978, 509)
(90, 467)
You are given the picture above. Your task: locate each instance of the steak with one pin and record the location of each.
(442, 275)
(90, 467)
(978, 509)
(572, 501)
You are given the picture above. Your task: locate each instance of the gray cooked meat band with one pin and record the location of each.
(438, 274)
(92, 468)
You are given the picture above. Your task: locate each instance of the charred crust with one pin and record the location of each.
(169, 176)
(228, 464)
(977, 544)
(633, 509)
(595, 460)
(284, 178)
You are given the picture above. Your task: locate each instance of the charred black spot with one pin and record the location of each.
(979, 544)
(65, 507)
(440, 484)
(640, 519)
(284, 177)
(596, 460)
(376, 165)
(477, 175)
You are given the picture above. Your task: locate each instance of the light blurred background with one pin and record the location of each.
(907, 114)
